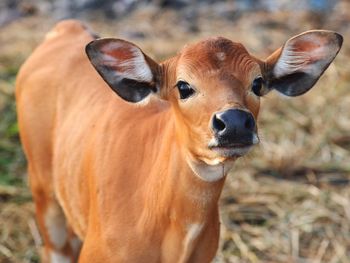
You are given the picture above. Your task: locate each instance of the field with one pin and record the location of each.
(288, 201)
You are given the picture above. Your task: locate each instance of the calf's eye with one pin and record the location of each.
(257, 86)
(185, 89)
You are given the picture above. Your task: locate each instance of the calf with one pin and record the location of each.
(137, 177)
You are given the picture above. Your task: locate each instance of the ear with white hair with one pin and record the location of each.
(295, 68)
(125, 68)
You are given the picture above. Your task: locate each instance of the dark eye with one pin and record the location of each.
(257, 86)
(185, 89)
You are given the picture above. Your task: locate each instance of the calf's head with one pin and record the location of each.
(214, 86)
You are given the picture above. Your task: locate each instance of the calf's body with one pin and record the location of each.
(113, 167)
(137, 182)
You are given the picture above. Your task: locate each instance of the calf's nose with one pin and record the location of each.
(234, 126)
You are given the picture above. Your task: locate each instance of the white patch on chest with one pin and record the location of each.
(56, 257)
(75, 244)
(193, 232)
(55, 223)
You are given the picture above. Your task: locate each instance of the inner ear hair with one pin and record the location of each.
(296, 67)
(124, 67)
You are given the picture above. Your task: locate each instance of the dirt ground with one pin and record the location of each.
(288, 201)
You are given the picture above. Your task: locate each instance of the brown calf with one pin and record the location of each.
(137, 177)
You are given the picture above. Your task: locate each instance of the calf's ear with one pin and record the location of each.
(294, 68)
(124, 67)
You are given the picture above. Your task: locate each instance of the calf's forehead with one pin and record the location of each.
(217, 57)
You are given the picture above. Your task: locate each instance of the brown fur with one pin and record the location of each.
(119, 171)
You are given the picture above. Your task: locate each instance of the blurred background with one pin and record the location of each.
(289, 200)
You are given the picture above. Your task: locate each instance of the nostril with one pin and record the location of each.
(218, 125)
(249, 123)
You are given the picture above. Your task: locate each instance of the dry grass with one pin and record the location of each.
(289, 201)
